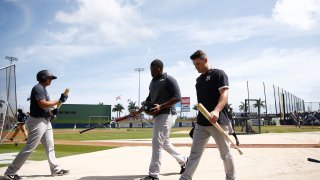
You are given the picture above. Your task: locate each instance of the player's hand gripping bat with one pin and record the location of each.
(206, 114)
(106, 124)
(66, 92)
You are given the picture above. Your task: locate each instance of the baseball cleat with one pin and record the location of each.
(62, 172)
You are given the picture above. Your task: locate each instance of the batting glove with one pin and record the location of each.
(63, 98)
(55, 111)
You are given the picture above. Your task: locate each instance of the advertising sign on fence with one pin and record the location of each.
(185, 104)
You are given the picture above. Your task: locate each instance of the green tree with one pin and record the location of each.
(259, 104)
(118, 108)
(132, 106)
(243, 107)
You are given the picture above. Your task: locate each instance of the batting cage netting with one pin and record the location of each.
(8, 100)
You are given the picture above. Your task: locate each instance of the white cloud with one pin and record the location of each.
(294, 70)
(79, 51)
(63, 37)
(298, 14)
(109, 21)
(228, 30)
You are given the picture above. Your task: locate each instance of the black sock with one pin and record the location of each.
(234, 135)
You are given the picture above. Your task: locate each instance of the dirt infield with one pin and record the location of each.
(266, 156)
(123, 144)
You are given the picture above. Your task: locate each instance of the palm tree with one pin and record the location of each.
(243, 107)
(132, 106)
(259, 104)
(118, 108)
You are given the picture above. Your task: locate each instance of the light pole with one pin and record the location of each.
(11, 59)
(139, 70)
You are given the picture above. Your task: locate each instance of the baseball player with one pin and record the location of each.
(230, 127)
(39, 126)
(21, 125)
(164, 93)
(212, 91)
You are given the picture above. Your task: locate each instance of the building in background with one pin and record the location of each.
(84, 115)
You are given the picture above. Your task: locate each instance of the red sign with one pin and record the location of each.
(185, 100)
(185, 104)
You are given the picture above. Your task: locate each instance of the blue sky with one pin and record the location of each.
(93, 46)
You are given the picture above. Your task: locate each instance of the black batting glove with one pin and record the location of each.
(63, 98)
(55, 111)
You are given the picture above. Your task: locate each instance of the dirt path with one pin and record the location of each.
(121, 144)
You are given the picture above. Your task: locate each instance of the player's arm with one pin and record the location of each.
(43, 103)
(223, 85)
(47, 104)
(222, 102)
(169, 103)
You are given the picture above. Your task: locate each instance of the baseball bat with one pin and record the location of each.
(66, 92)
(206, 114)
(60, 103)
(105, 124)
(313, 160)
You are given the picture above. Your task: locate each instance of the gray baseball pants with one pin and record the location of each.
(40, 130)
(160, 140)
(200, 139)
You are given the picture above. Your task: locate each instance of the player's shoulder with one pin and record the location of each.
(38, 87)
(216, 71)
(169, 77)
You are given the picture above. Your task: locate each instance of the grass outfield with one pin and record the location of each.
(105, 134)
(61, 151)
(94, 121)
(283, 129)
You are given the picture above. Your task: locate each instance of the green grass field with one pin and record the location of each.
(283, 129)
(104, 134)
(61, 150)
(143, 133)
(94, 121)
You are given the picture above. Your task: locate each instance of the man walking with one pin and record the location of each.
(164, 93)
(212, 91)
(21, 125)
(39, 126)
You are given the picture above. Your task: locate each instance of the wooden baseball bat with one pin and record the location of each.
(313, 160)
(65, 93)
(60, 103)
(206, 114)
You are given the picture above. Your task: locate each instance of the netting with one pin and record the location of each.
(8, 100)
